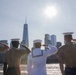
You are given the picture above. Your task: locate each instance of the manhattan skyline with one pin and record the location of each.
(14, 12)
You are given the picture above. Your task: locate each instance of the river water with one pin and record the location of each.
(52, 69)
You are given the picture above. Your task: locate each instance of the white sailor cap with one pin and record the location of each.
(15, 39)
(37, 41)
(68, 33)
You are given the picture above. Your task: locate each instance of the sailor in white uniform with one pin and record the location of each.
(36, 63)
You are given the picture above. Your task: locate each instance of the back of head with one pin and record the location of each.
(37, 43)
(15, 42)
(68, 36)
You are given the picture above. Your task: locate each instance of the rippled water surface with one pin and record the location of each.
(52, 69)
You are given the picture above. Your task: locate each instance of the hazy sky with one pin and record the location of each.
(14, 12)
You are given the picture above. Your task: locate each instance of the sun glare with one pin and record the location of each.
(50, 11)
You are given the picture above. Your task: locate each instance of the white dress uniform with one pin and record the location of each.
(36, 63)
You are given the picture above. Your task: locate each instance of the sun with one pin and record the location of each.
(50, 11)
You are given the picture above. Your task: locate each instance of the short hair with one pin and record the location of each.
(15, 43)
(68, 36)
(37, 45)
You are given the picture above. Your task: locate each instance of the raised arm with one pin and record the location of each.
(3, 47)
(27, 49)
(52, 50)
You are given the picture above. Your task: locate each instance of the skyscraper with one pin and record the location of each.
(25, 40)
(58, 44)
(47, 39)
(53, 40)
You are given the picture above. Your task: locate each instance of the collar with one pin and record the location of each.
(69, 43)
(37, 52)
